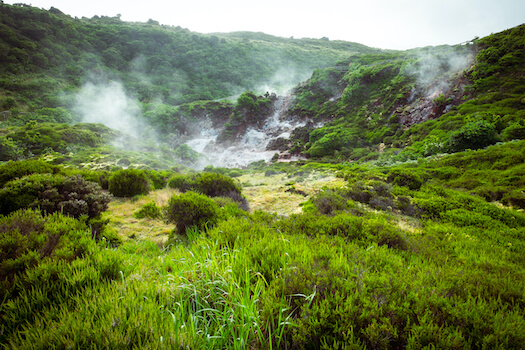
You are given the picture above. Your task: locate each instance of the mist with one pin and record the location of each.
(283, 80)
(106, 102)
(433, 69)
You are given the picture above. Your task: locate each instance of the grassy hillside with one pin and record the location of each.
(415, 103)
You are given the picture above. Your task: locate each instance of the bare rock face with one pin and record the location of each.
(432, 101)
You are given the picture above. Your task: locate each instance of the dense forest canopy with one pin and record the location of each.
(388, 213)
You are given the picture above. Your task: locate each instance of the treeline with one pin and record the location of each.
(180, 66)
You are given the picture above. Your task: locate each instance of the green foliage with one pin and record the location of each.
(12, 170)
(329, 202)
(472, 136)
(71, 195)
(405, 177)
(515, 131)
(423, 260)
(210, 184)
(128, 183)
(27, 238)
(209, 67)
(148, 210)
(191, 209)
(182, 182)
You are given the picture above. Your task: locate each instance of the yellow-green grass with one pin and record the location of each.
(268, 193)
(120, 214)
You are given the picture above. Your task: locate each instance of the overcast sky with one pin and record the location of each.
(386, 24)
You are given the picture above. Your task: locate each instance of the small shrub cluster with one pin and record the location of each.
(129, 183)
(12, 170)
(328, 202)
(472, 135)
(211, 185)
(191, 209)
(148, 210)
(71, 195)
(405, 177)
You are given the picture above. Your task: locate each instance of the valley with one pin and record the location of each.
(162, 188)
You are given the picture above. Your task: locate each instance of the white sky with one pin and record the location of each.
(386, 24)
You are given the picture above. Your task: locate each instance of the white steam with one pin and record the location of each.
(107, 103)
(436, 68)
(283, 80)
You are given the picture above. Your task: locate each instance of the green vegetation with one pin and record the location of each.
(410, 255)
(375, 239)
(128, 183)
(192, 210)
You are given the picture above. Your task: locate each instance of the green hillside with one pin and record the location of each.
(399, 225)
(153, 61)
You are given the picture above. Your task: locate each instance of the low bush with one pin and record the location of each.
(328, 202)
(211, 185)
(71, 195)
(158, 179)
(129, 183)
(181, 182)
(405, 177)
(12, 170)
(148, 210)
(473, 136)
(26, 237)
(191, 209)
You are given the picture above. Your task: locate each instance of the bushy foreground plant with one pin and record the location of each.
(46, 263)
(191, 209)
(148, 210)
(71, 195)
(27, 238)
(210, 184)
(12, 170)
(129, 183)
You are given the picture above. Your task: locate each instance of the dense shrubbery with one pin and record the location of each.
(191, 209)
(71, 195)
(129, 183)
(27, 238)
(18, 169)
(209, 184)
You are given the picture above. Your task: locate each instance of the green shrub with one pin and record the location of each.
(211, 185)
(12, 170)
(191, 209)
(181, 182)
(473, 136)
(129, 183)
(158, 179)
(515, 131)
(328, 202)
(516, 198)
(148, 210)
(405, 177)
(216, 185)
(72, 195)
(26, 238)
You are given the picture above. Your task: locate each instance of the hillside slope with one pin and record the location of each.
(416, 103)
(43, 52)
